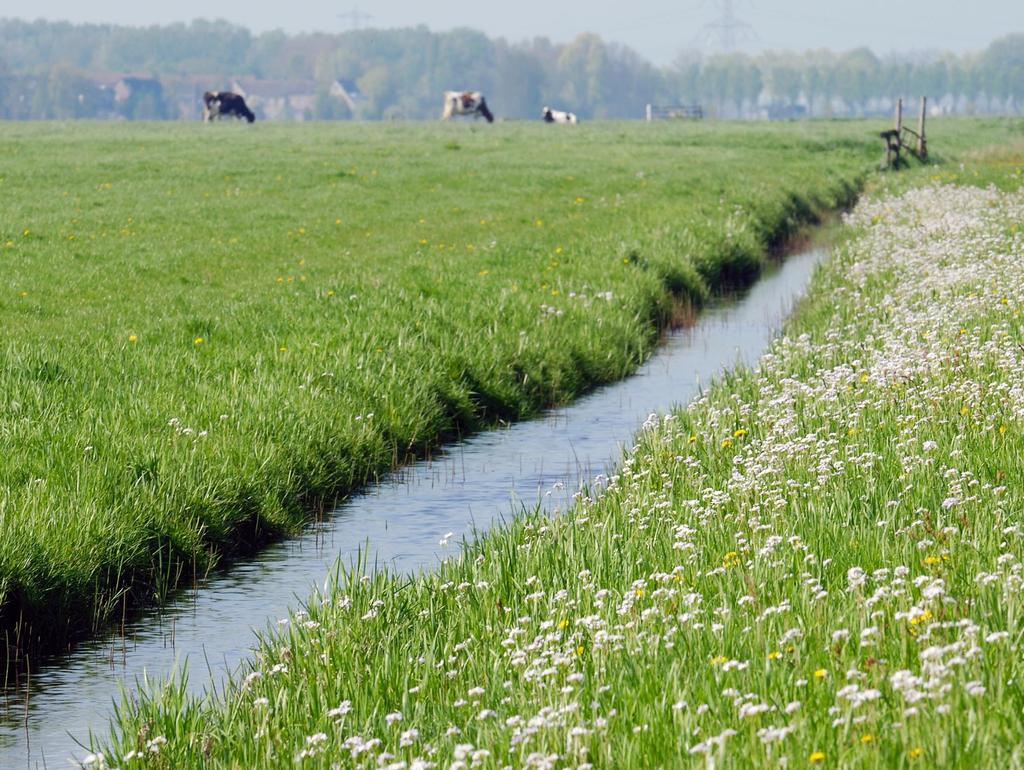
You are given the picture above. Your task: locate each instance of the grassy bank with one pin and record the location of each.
(213, 331)
(819, 563)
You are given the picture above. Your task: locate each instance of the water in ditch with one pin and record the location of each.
(45, 717)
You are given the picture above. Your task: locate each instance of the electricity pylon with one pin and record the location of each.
(355, 18)
(726, 32)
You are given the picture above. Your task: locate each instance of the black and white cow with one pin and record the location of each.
(466, 103)
(219, 104)
(557, 116)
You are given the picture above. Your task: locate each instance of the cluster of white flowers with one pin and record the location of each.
(820, 556)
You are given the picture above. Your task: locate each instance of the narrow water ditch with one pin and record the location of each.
(400, 522)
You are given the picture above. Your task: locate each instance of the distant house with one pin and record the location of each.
(293, 99)
(180, 97)
(128, 86)
(348, 92)
(186, 93)
(140, 98)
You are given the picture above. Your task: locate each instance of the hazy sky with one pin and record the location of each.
(657, 28)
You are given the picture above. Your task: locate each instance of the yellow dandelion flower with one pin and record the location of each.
(774, 655)
(864, 377)
(964, 411)
(693, 438)
(820, 673)
(739, 433)
(198, 341)
(915, 752)
(929, 561)
(640, 593)
(817, 757)
(718, 660)
(26, 232)
(726, 443)
(867, 738)
(1002, 429)
(918, 619)
(133, 338)
(562, 624)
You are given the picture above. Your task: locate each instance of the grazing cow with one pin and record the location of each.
(466, 103)
(557, 116)
(218, 104)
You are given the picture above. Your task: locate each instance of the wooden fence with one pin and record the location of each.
(677, 112)
(901, 137)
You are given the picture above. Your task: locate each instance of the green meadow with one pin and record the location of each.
(211, 333)
(818, 563)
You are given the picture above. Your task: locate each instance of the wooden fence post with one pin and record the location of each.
(898, 125)
(922, 144)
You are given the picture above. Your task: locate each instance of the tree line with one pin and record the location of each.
(59, 70)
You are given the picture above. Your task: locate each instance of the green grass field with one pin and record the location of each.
(818, 563)
(213, 331)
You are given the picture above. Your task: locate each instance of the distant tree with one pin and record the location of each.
(71, 95)
(5, 88)
(519, 82)
(145, 100)
(683, 78)
(328, 106)
(731, 83)
(403, 71)
(581, 70)
(858, 77)
(378, 88)
(781, 74)
(1001, 67)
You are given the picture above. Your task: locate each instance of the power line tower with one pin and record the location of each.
(727, 32)
(355, 18)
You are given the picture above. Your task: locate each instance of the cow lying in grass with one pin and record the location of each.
(557, 116)
(219, 104)
(466, 103)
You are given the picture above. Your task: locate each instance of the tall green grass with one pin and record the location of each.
(213, 331)
(818, 563)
